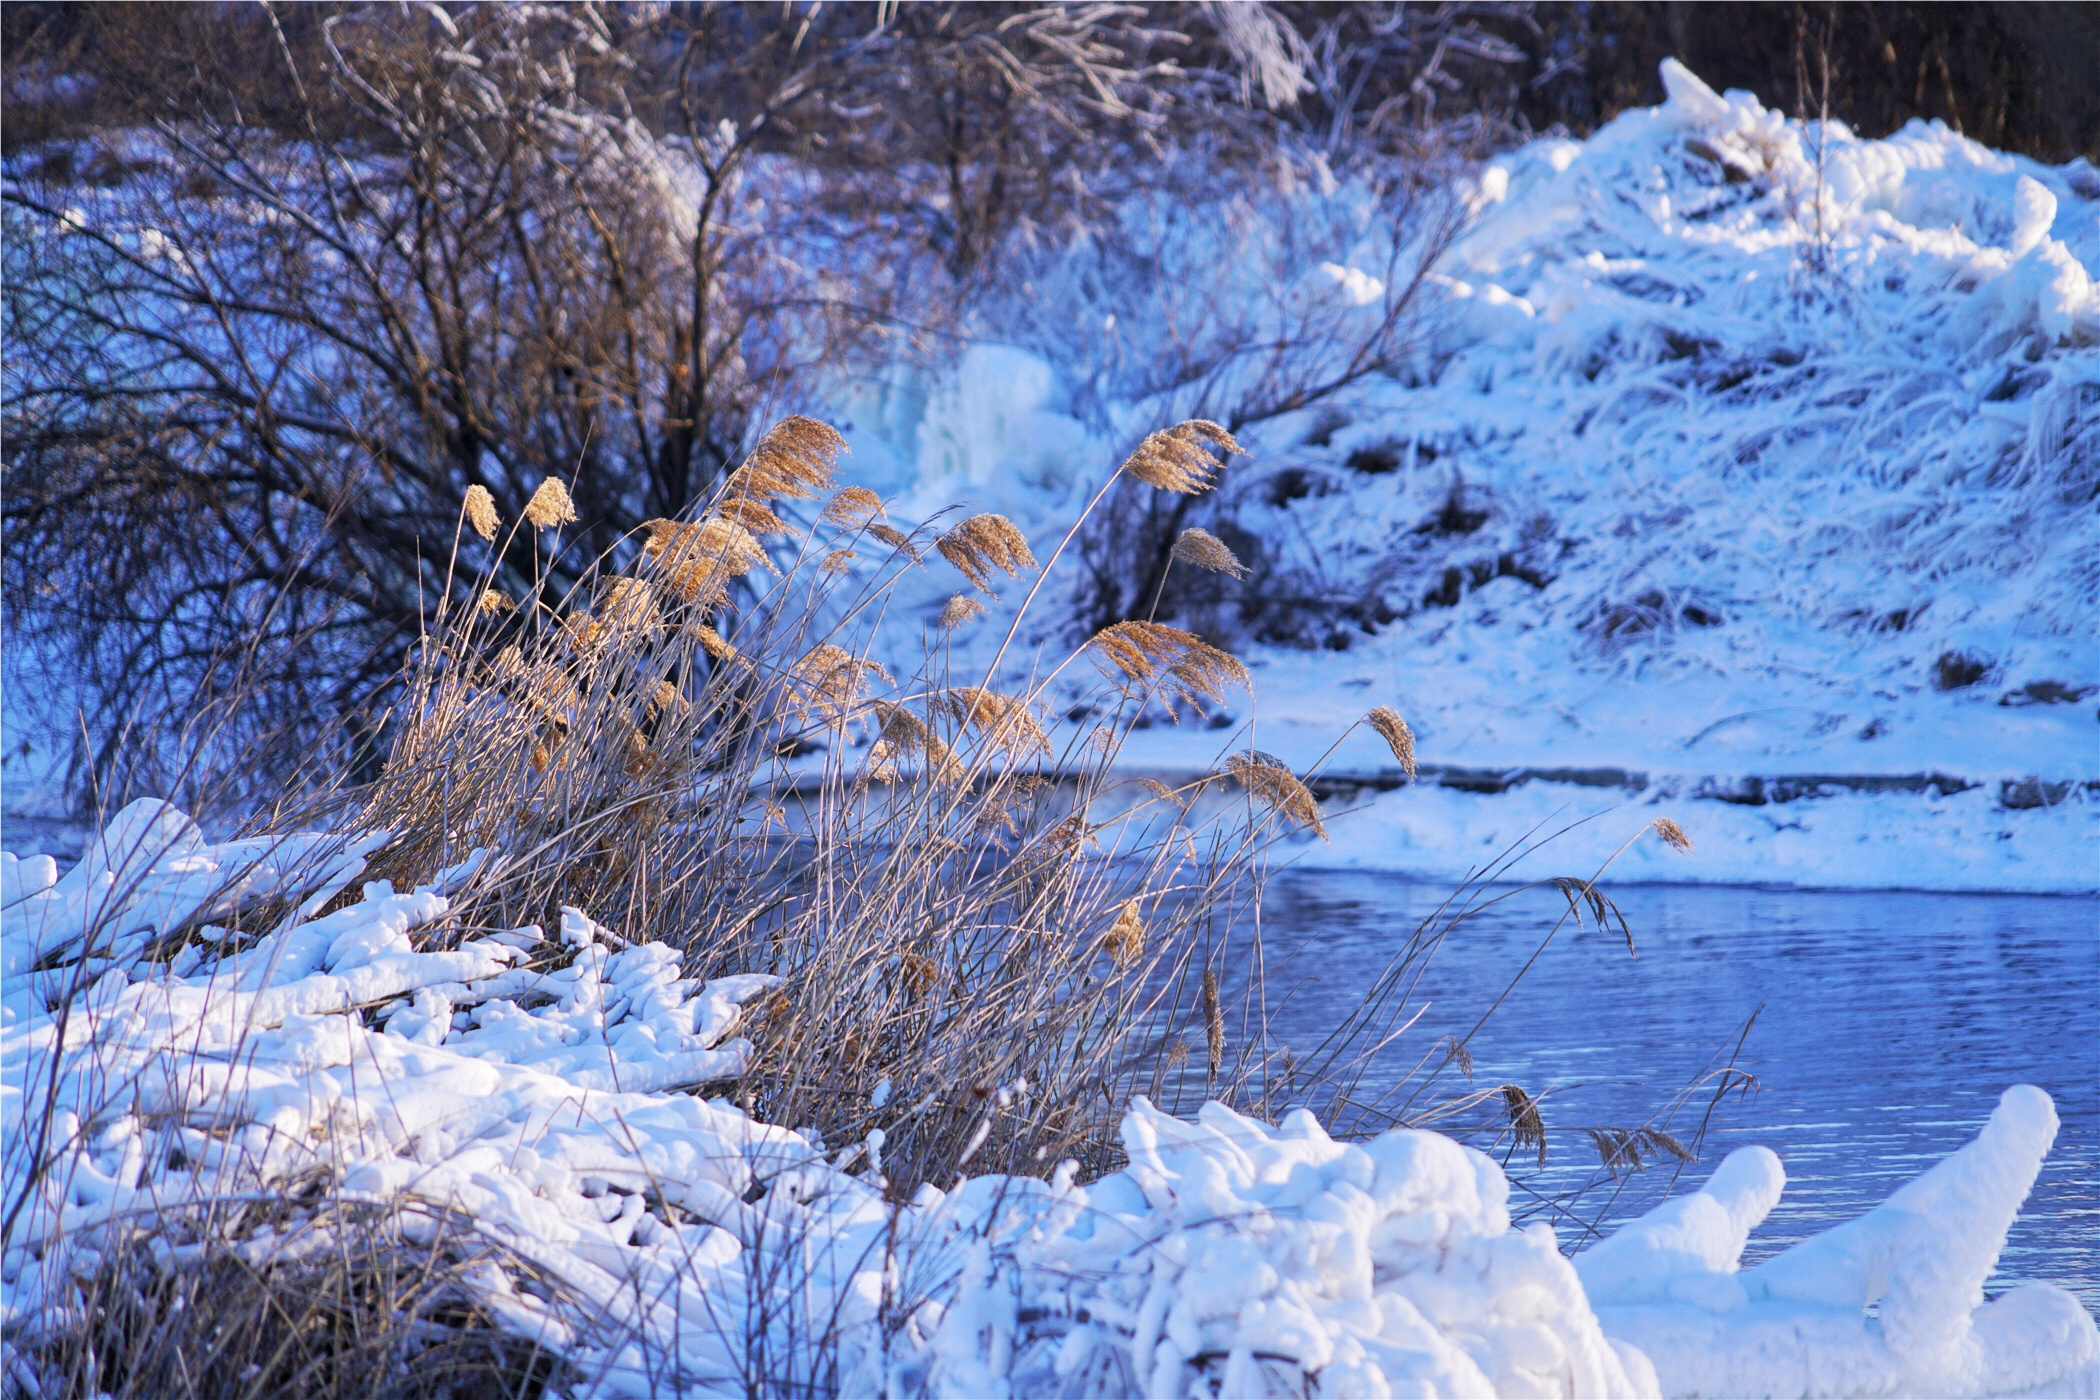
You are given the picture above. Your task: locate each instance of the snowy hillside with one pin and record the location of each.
(537, 1087)
(1750, 469)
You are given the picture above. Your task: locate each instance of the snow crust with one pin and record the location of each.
(543, 1089)
(1759, 419)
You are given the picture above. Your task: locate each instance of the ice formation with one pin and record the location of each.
(550, 1101)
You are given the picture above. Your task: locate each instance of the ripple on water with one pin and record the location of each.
(1890, 1024)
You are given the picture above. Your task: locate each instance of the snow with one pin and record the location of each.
(550, 1092)
(1774, 417)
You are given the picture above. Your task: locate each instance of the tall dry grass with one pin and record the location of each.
(988, 941)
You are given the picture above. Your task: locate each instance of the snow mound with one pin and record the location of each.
(542, 1090)
(1747, 456)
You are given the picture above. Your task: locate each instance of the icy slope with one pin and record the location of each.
(543, 1098)
(1753, 459)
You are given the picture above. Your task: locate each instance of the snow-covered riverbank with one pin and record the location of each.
(1753, 458)
(540, 1087)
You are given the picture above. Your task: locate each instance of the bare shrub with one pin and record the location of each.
(304, 1296)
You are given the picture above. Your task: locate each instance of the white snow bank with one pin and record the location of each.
(1799, 1323)
(536, 1089)
(1748, 423)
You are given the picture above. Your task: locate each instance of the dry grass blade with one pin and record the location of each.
(830, 679)
(1125, 940)
(851, 508)
(1179, 458)
(1206, 551)
(700, 559)
(1213, 1023)
(905, 734)
(957, 610)
(894, 538)
(550, 505)
(1005, 721)
(356, 1301)
(754, 516)
(1525, 1124)
(983, 543)
(481, 512)
(1672, 834)
(1147, 652)
(1271, 780)
(1398, 737)
(795, 460)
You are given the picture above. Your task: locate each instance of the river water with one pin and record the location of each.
(1889, 1025)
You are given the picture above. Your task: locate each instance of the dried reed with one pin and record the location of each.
(1213, 1023)
(1527, 1128)
(983, 543)
(1672, 834)
(550, 505)
(1152, 652)
(795, 460)
(1125, 940)
(1179, 458)
(959, 608)
(1005, 721)
(830, 679)
(754, 516)
(1398, 737)
(851, 508)
(1206, 551)
(1270, 779)
(480, 512)
(894, 538)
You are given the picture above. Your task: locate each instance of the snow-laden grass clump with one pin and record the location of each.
(545, 1099)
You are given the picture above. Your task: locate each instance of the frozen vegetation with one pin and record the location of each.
(1744, 473)
(663, 1242)
(1747, 472)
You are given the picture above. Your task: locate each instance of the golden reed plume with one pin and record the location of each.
(957, 610)
(794, 461)
(550, 505)
(1271, 780)
(983, 543)
(1179, 458)
(1398, 737)
(1125, 940)
(851, 508)
(1152, 652)
(481, 512)
(1206, 551)
(1005, 721)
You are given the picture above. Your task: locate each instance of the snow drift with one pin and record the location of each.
(1747, 465)
(549, 1100)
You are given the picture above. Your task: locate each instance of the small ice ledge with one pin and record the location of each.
(1670, 1283)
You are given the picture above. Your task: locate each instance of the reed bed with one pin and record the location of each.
(988, 939)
